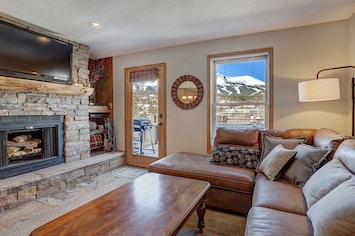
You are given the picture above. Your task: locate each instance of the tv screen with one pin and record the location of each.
(30, 55)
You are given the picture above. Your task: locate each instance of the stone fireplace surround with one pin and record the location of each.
(74, 107)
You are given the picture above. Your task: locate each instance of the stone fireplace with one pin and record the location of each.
(61, 135)
(24, 98)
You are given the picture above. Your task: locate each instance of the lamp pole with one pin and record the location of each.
(334, 68)
(352, 93)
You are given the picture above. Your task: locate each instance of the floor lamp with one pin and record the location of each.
(325, 90)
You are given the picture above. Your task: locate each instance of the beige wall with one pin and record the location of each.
(298, 55)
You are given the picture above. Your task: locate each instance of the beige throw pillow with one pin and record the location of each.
(325, 180)
(276, 162)
(307, 161)
(334, 214)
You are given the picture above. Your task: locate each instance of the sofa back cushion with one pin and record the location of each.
(346, 154)
(237, 137)
(325, 180)
(334, 213)
(328, 138)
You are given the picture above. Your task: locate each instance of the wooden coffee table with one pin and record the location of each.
(152, 204)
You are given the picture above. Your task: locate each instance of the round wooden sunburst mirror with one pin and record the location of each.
(187, 91)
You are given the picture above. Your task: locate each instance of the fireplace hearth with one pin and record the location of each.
(29, 143)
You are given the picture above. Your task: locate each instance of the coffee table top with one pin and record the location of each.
(152, 204)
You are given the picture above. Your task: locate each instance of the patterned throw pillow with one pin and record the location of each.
(242, 157)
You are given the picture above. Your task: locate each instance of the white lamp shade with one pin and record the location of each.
(319, 90)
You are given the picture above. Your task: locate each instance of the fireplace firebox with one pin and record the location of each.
(29, 143)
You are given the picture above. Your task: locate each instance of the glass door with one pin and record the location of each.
(145, 114)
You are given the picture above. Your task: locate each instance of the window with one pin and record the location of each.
(240, 90)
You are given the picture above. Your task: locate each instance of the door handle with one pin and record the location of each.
(160, 123)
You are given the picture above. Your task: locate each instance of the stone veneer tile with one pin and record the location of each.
(27, 193)
(60, 169)
(103, 157)
(16, 181)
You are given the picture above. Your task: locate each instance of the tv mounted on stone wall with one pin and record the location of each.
(30, 55)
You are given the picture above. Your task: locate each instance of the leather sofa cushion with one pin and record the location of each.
(334, 213)
(278, 195)
(241, 137)
(198, 166)
(346, 154)
(325, 180)
(328, 138)
(269, 222)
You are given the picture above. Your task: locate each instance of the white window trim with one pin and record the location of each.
(212, 59)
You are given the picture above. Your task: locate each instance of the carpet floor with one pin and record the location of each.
(217, 223)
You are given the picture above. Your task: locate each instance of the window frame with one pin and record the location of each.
(268, 87)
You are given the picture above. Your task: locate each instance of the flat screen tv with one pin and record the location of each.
(30, 55)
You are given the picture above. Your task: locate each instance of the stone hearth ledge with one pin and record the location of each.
(20, 189)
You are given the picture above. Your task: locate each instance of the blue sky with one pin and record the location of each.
(254, 68)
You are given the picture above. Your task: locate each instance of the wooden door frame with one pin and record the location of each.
(135, 160)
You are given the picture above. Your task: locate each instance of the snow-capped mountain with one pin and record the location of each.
(226, 86)
(239, 85)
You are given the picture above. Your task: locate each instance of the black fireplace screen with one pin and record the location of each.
(29, 143)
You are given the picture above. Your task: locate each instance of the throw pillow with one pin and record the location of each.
(324, 180)
(276, 162)
(269, 142)
(334, 213)
(242, 157)
(307, 161)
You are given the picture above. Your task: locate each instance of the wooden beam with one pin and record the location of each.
(33, 86)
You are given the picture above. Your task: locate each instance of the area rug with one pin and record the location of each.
(217, 223)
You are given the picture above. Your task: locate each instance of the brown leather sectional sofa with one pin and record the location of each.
(276, 207)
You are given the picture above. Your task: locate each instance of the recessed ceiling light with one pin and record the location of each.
(95, 25)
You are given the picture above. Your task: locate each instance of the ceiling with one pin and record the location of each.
(136, 25)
